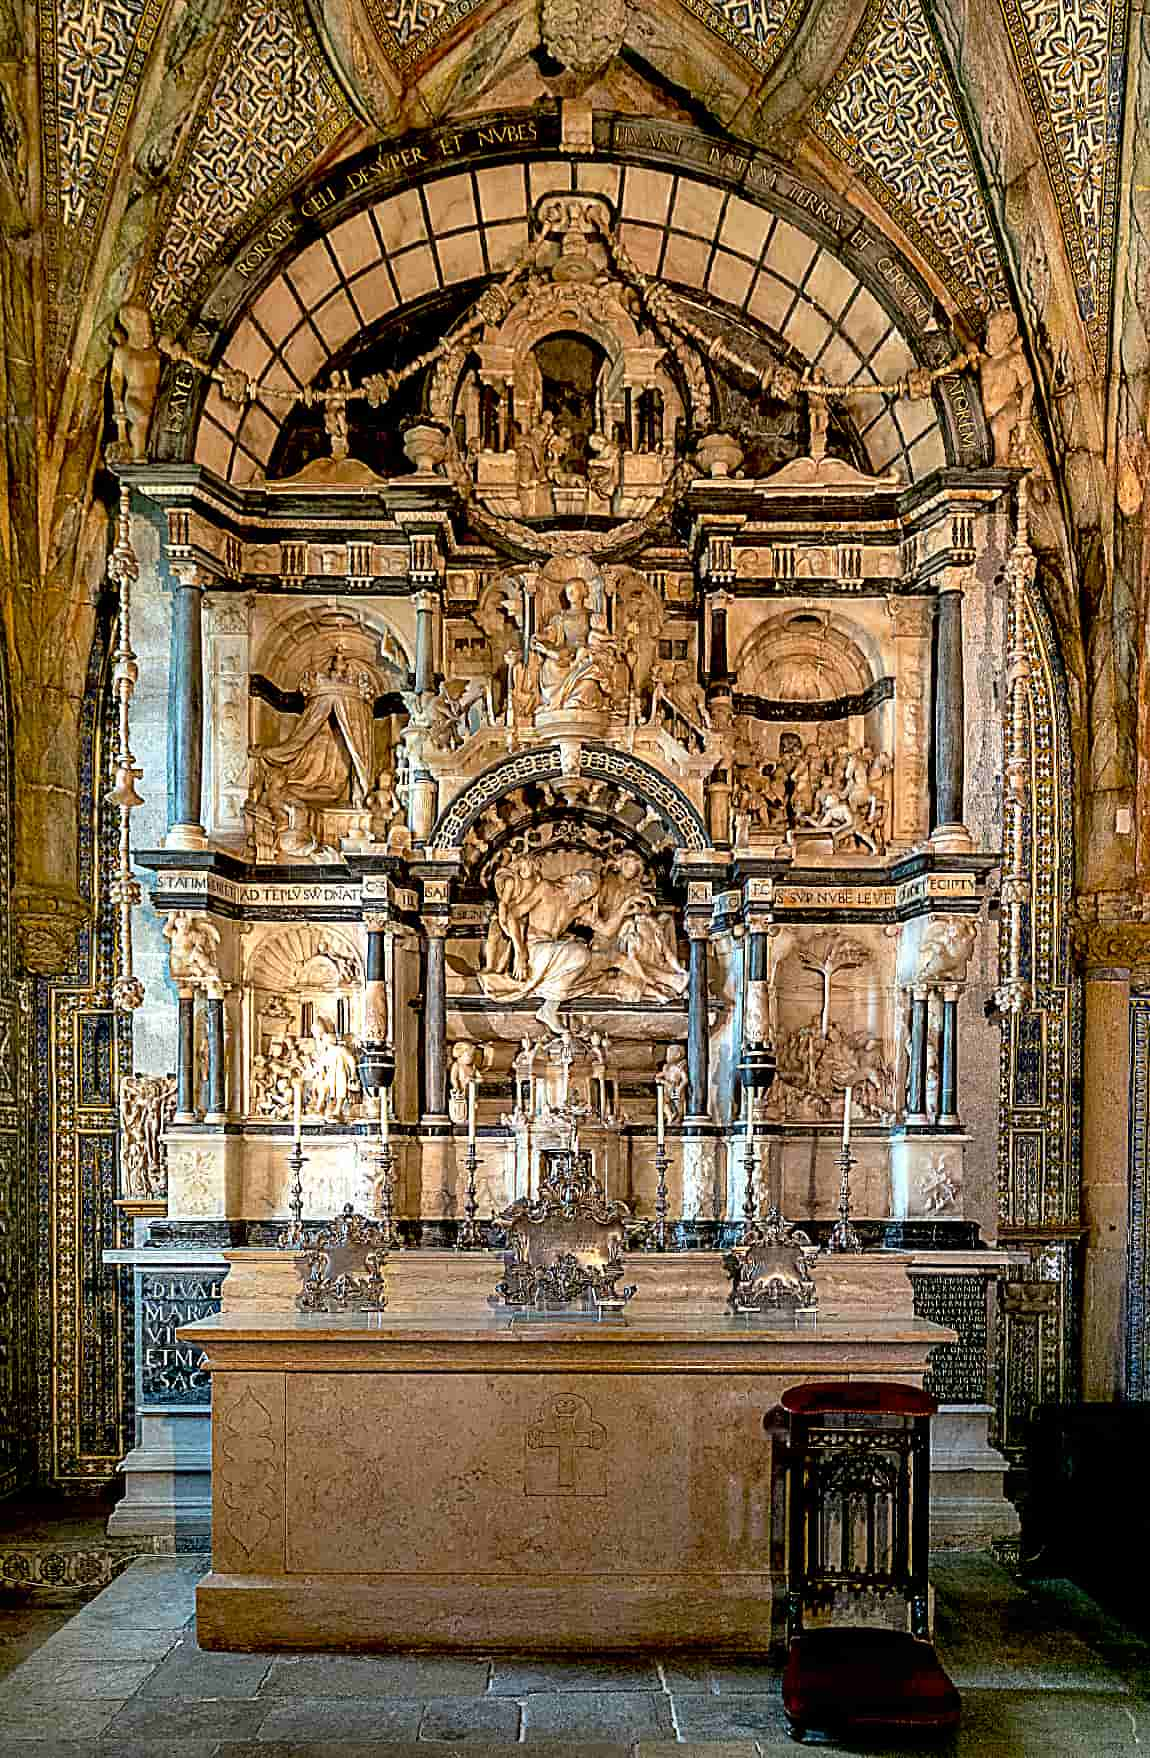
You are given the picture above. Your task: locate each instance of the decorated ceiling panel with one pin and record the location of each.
(891, 116)
(1071, 58)
(274, 107)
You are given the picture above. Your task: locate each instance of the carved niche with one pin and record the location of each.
(304, 993)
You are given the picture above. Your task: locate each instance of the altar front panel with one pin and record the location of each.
(463, 1484)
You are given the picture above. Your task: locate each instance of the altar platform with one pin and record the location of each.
(476, 1481)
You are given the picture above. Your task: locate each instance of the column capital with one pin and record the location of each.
(698, 927)
(436, 927)
(1111, 946)
(377, 921)
(953, 580)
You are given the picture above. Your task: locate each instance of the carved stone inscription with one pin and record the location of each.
(565, 1454)
(171, 1372)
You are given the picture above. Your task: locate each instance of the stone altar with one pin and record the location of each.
(402, 1480)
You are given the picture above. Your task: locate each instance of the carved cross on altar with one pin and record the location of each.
(567, 1431)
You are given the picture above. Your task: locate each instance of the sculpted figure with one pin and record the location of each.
(467, 1064)
(944, 953)
(603, 465)
(674, 1080)
(676, 689)
(1007, 387)
(648, 965)
(193, 944)
(328, 759)
(147, 1106)
(135, 378)
(572, 673)
(333, 1073)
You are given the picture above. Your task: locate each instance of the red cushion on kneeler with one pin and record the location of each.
(839, 1678)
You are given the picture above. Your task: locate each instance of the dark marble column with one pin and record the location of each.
(948, 1060)
(949, 712)
(435, 1021)
(187, 708)
(719, 672)
(186, 1061)
(217, 1097)
(698, 1022)
(916, 1058)
(424, 655)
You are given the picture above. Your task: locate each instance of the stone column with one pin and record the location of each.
(948, 1060)
(912, 620)
(186, 1059)
(698, 1022)
(719, 669)
(1106, 1169)
(435, 1021)
(187, 713)
(916, 1057)
(217, 1094)
(376, 1024)
(948, 830)
(424, 643)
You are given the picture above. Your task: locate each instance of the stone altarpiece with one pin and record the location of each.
(598, 746)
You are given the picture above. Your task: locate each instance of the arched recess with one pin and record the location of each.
(739, 233)
(596, 762)
(804, 656)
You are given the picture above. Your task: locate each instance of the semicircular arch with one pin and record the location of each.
(550, 763)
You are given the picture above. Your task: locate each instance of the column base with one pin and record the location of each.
(186, 836)
(212, 1117)
(951, 839)
(186, 1117)
(947, 1120)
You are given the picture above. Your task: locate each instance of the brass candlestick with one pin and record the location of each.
(662, 1160)
(471, 1235)
(750, 1162)
(385, 1196)
(294, 1237)
(843, 1236)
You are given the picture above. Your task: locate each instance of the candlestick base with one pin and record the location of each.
(843, 1237)
(294, 1239)
(472, 1236)
(659, 1231)
(383, 1197)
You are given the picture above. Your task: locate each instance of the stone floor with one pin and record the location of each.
(1042, 1671)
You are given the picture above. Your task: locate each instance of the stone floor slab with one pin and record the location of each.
(161, 1719)
(745, 1678)
(521, 1677)
(597, 1715)
(746, 1715)
(82, 1719)
(341, 1718)
(188, 1671)
(47, 1675)
(465, 1720)
(119, 1645)
(376, 1675)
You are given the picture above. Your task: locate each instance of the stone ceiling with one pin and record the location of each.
(874, 84)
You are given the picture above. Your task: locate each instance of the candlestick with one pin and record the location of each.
(472, 1086)
(661, 1203)
(471, 1235)
(294, 1237)
(384, 1190)
(297, 1109)
(750, 1194)
(660, 1114)
(847, 1094)
(843, 1237)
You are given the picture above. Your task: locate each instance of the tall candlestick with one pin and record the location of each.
(297, 1109)
(384, 1108)
(660, 1113)
(564, 1084)
(471, 1087)
(847, 1117)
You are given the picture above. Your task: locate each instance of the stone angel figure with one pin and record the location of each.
(468, 1062)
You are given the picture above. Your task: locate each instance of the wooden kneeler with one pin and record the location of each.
(858, 1535)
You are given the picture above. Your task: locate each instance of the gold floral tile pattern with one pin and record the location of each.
(890, 114)
(273, 108)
